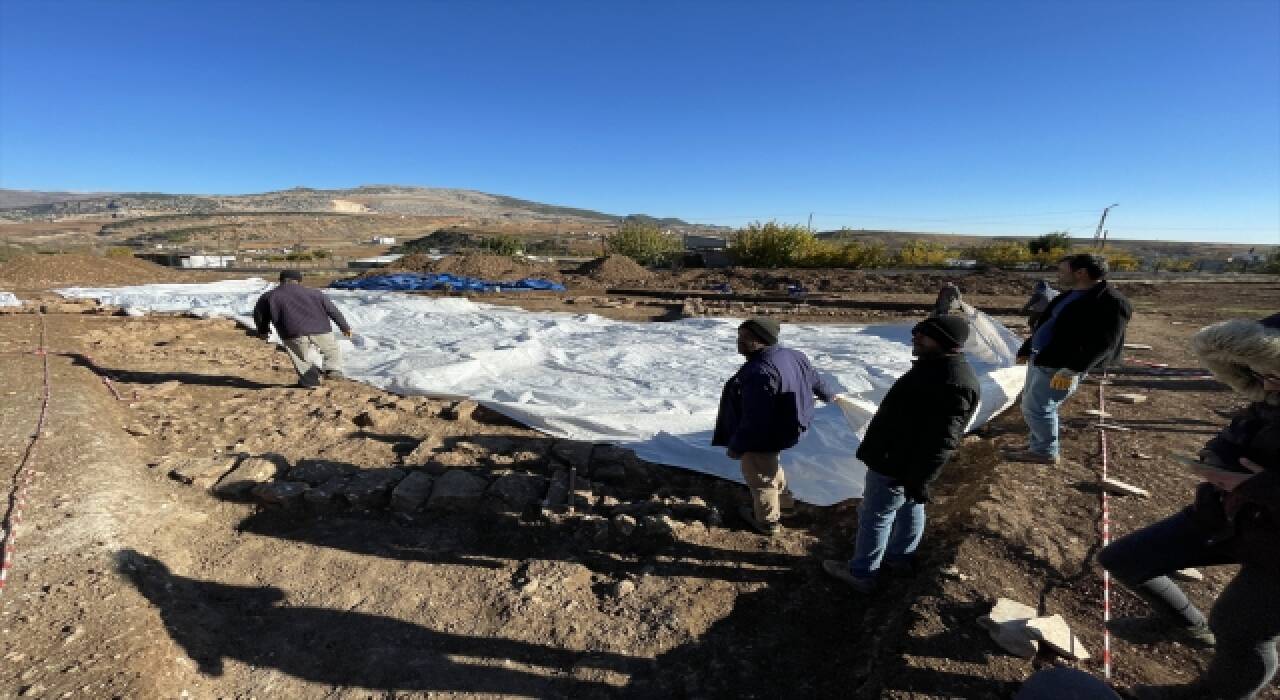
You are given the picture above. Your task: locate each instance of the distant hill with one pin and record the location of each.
(18, 205)
(13, 199)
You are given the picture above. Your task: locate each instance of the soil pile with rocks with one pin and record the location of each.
(837, 280)
(485, 267)
(79, 270)
(615, 270)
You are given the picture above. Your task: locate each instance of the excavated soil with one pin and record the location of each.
(485, 267)
(38, 272)
(130, 582)
(615, 270)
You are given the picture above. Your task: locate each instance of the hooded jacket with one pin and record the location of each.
(921, 422)
(1088, 333)
(1237, 352)
(767, 405)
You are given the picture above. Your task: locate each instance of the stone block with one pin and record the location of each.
(373, 419)
(1130, 398)
(573, 453)
(371, 488)
(518, 492)
(411, 493)
(459, 410)
(326, 497)
(457, 489)
(285, 494)
(318, 471)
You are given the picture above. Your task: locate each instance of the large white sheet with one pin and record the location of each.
(653, 387)
(8, 299)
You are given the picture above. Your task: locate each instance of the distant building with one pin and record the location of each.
(206, 261)
(377, 261)
(384, 240)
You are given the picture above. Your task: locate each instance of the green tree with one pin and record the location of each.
(771, 244)
(1057, 240)
(644, 242)
(502, 245)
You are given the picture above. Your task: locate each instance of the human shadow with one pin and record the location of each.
(192, 378)
(214, 622)
(491, 540)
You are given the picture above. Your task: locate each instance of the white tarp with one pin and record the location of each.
(653, 387)
(8, 299)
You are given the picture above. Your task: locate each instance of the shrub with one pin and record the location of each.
(119, 251)
(1118, 260)
(503, 245)
(1272, 264)
(644, 242)
(1000, 254)
(923, 254)
(1057, 240)
(771, 245)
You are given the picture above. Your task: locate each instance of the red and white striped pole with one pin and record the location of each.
(1106, 532)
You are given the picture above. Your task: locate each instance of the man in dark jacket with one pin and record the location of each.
(1235, 519)
(1080, 330)
(919, 424)
(765, 408)
(301, 316)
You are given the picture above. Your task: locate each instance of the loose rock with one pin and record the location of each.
(280, 493)
(249, 473)
(371, 488)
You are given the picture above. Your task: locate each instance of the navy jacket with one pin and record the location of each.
(1089, 333)
(768, 403)
(921, 422)
(296, 311)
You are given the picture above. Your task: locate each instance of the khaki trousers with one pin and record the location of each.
(768, 485)
(324, 343)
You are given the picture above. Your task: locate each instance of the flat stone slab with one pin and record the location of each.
(1056, 633)
(250, 472)
(1007, 625)
(1119, 487)
(411, 493)
(457, 489)
(1130, 398)
(202, 472)
(1188, 575)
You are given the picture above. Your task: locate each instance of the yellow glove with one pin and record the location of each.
(1062, 380)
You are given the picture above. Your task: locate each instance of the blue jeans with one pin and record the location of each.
(1040, 408)
(1245, 619)
(889, 526)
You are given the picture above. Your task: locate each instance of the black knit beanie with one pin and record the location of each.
(766, 329)
(951, 332)
(291, 275)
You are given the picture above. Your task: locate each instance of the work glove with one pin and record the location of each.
(919, 494)
(1062, 380)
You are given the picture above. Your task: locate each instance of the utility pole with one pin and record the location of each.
(810, 222)
(1099, 237)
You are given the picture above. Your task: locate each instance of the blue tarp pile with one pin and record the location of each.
(410, 281)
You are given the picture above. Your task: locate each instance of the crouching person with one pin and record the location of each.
(919, 424)
(765, 408)
(1235, 519)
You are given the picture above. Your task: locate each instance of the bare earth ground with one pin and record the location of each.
(129, 583)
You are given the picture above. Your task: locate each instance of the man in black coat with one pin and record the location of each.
(301, 317)
(1081, 329)
(918, 426)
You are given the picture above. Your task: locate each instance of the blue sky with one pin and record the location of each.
(969, 117)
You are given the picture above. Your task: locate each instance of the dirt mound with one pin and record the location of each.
(64, 270)
(485, 267)
(614, 270)
(836, 280)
